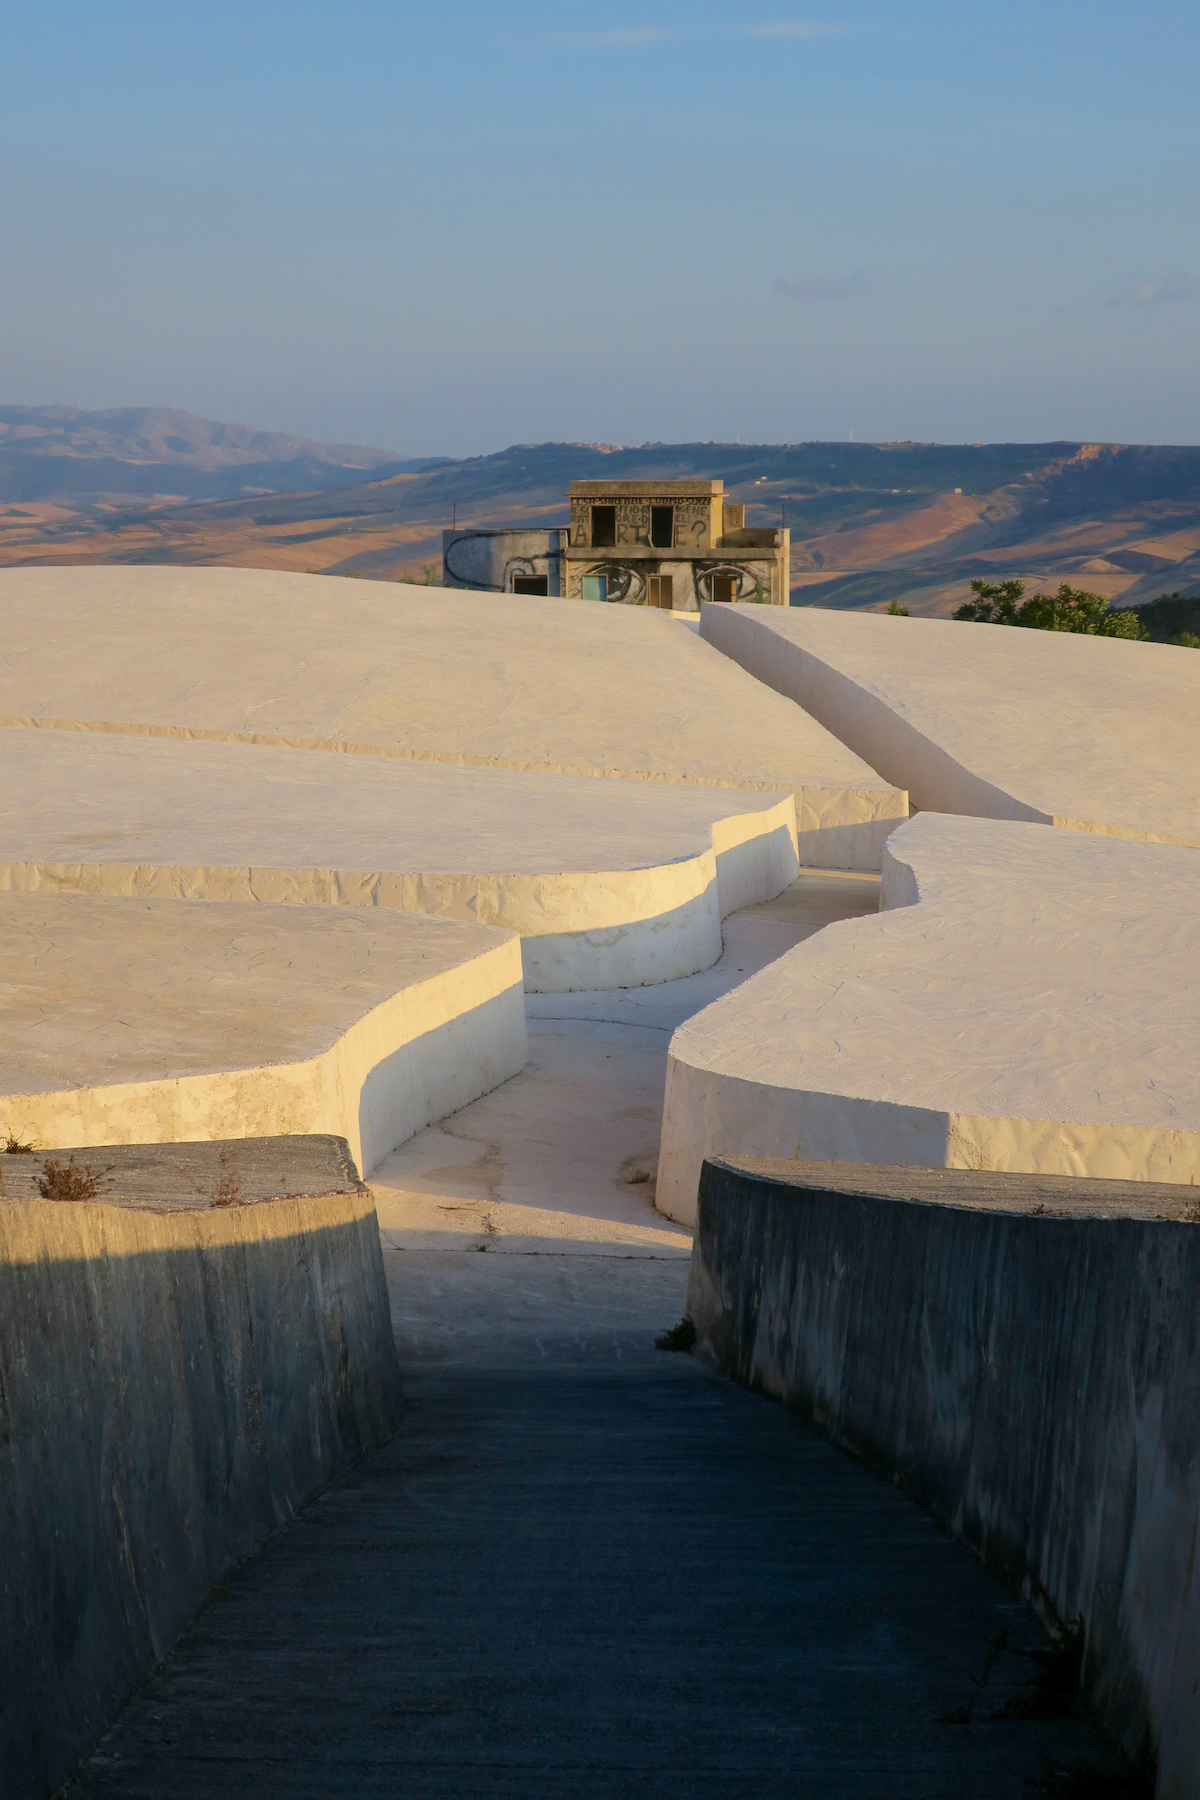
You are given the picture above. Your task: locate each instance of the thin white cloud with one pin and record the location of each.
(797, 33)
(811, 290)
(635, 38)
(1144, 290)
(641, 37)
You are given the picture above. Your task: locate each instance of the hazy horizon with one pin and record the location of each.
(445, 234)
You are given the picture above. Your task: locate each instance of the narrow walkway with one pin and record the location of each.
(583, 1567)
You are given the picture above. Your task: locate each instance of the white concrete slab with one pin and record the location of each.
(1097, 734)
(608, 883)
(381, 669)
(1028, 1000)
(144, 1021)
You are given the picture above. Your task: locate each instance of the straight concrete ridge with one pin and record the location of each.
(1027, 1001)
(1097, 734)
(610, 884)
(158, 1424)
(147, 1021)
(426, 674)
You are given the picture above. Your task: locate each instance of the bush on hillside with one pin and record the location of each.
(1172, 619)
(1071, 609)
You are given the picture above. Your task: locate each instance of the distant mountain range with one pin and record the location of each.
(60, 452)
(870, 522)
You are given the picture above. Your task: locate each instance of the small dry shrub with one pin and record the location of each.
(228, 1191)
(66, 1181)
(13, 1148)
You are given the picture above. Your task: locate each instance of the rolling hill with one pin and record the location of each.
(870, 522)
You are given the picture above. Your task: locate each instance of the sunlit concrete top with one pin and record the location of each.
(609, 883)
(104, 991)
(1097, 733)
(500, 680)
(99, 797)
(1028, 1000)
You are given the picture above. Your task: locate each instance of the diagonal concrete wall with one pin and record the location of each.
(176, 1379)
(1095, 734)
(1020, 1353)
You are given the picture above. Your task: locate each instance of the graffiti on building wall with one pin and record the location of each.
(469, 561)
(625, 582)
(693, 520)
(747, 583)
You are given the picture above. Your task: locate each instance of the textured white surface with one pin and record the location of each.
(610, 883)
(1028, 1000)
(383, 669)
(1095, 733)
(543, 1164)
(144, 1021)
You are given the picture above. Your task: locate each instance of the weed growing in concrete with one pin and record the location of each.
(65, 1181)
(1052, 1691)
(228, 1191)
(13, 1148)
(994, 1649)
(680, 1337)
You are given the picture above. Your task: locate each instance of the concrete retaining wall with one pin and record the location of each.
(1022, 1353)
(174, 1384)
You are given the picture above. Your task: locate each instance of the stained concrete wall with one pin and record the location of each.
(491, 559)
(176, 1379)
(1022, 1354)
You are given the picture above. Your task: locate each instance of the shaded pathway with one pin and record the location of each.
(594, 1570)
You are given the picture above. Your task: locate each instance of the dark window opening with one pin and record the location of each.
(531, 584)
(724, 587)
(662, 527)
(604, 527)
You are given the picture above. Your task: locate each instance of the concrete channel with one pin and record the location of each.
(583, 1565)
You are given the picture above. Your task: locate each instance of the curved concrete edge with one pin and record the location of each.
(426, 1052)
(753, 859)
(1033, 1381)
(173, 1387)
(837, 822)
(862, 721)
(708, 1115)
(579, 930)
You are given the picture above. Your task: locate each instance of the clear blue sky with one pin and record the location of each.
(450, 228)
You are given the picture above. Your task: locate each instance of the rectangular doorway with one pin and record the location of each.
(531, 584)
(724, 587)
(660, 591)
(595, 587)
(662, 527)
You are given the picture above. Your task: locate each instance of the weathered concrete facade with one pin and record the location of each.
(506, 562)
(669, 544)
(1022, 1354)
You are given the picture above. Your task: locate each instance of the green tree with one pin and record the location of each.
(1071, 609)
(995, 602)
(897, 611)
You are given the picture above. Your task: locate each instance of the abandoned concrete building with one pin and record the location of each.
(669, 544)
